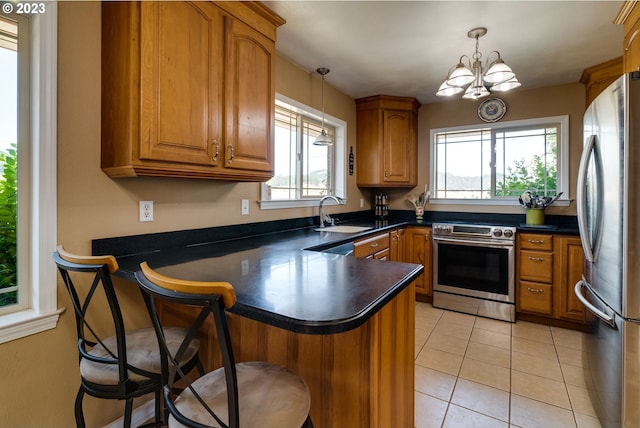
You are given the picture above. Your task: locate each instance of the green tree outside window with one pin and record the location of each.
(8, 219)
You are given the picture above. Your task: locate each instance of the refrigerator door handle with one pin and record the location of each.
(607, 319)
(587, 245)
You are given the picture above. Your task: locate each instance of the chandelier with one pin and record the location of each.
(496, 76)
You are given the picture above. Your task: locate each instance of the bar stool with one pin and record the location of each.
(247, 394)
(120, 365)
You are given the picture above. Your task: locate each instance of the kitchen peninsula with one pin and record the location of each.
(346, 325)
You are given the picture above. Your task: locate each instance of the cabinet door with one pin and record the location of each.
(397, 245)
(180, 75)
(249, 94)
(428, 265)
(632, 46)
(418, 251)
(572, 262)
(399, 144)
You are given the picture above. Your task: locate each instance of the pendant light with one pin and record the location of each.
(323, 139)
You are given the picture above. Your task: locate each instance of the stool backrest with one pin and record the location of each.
(213, 298)
(98, 269)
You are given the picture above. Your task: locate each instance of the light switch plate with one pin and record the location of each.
(245, 207)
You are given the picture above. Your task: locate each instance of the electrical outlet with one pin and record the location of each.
(245, 207)
(361, 203)
(146, 211)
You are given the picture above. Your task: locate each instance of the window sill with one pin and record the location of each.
(300, 203)
(27, 322)
(492, 202)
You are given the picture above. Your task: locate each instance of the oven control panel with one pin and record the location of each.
(474, 231)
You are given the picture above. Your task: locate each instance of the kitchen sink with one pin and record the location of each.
(343, 229)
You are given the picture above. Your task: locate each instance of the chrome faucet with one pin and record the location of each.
(324, 217)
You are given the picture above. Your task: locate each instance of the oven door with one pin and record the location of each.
(474, 268)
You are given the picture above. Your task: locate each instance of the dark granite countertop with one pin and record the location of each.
(284, 272)
(279, 282)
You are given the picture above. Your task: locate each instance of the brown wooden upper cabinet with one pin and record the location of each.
(598, 77)
(188, 89)
(387, 141)
(629, 17)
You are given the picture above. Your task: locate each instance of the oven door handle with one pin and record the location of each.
(472, 243)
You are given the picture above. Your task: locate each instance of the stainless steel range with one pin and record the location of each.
(473, 269)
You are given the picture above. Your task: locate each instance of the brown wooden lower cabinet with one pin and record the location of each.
(360, 378)
(418, 250)
(569, 272)
(548, 267)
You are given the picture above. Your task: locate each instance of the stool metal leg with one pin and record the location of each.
(78, 409)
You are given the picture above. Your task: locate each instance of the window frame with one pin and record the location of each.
(340, 157)
(36, 268)
(562, 153)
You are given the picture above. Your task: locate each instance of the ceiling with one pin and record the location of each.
(406, 48)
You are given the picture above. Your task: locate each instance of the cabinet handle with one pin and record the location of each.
(374, 245)
(396, 238)
(535, 290)
(535, 241)
(386, 174)
(231, 153)
(217, 147)
(536, 259)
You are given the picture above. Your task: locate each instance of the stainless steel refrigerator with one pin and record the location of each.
(609, 220)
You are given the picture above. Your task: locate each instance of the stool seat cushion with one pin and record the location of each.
(142, 353)
(270, 396)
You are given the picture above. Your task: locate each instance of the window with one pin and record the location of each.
(303, 172)
(496, 163)
(31, 43)
(8, 162)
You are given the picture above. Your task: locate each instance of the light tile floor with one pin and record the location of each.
(477, 372)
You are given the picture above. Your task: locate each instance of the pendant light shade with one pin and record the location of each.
(323, 139)
(460, 76)
(505, 86)
(498, 72)
(475, 92)
(446, 90)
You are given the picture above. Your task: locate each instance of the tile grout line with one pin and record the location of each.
(475, 325)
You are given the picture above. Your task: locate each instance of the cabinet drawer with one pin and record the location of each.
(370, 246)
(536, 266)
(531, 241)
(381, 255)
(534, 297)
